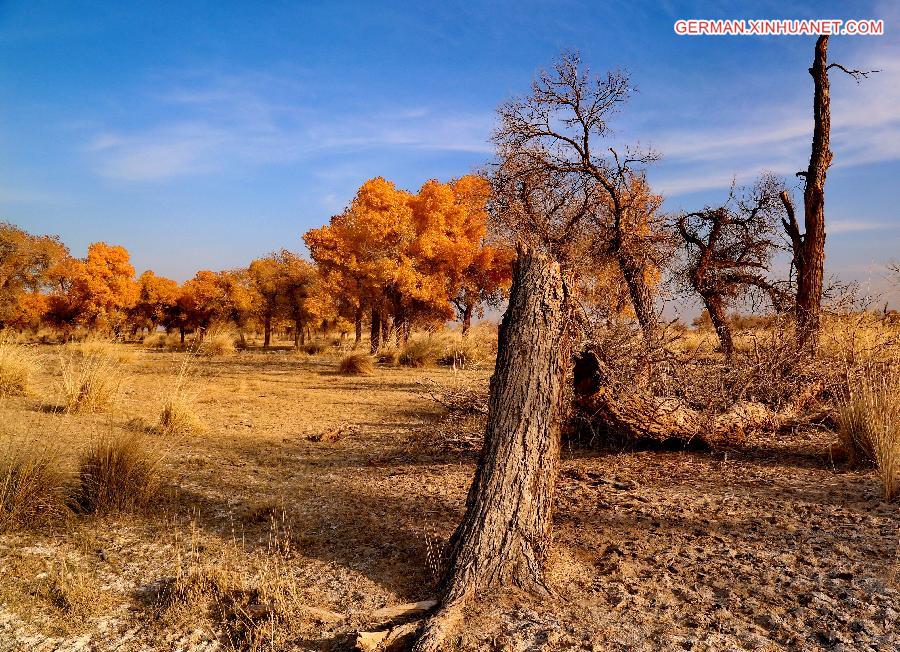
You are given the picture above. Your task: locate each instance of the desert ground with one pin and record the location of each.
(310, 500)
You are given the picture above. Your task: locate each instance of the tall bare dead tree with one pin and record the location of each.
(563, 124)
(505, 535)
(809, 246)
(728, 250)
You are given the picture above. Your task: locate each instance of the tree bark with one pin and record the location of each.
(375, 332)
(505, 534)
(467, 318)
(267, 331)
(299, 334)
(717, 315)
(358, 323)
(638, 290)
(810, 275)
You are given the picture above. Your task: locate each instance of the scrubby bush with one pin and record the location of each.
(116, 474)
(17, 365)
(32, 489)
(356, 364)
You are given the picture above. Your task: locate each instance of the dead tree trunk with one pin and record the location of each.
(810, 275)
(638, 290)
(716, 310)
(505, 534)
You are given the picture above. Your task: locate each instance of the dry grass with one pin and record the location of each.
(257, 610)
(469, 352)
(96, 346)
(117, 474)
(32, 489)
(160, 341)
(422, 350)
(179, 416)
(90, 383)
(219, 340)
(17, 365)
(72, 591)
(313, 348)
(389, 353)
(870, 422)
(357, 364)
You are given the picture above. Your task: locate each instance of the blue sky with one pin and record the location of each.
(203, 134)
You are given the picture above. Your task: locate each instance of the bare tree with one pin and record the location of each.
(505, 535)
(728, 250)
(562, 126)
(809, 246)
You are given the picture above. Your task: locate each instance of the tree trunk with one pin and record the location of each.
(467, 319)
(505, 534)
(810, 275)
(719, 320)
(299, 335)
(638, 290)
(375, 332)
(267, 331)
(358, 323)
(181, 332)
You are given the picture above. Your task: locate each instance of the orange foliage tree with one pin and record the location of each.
(209, 297)
(404, 257)
(26, 262)
(157, 302)
(97, 291)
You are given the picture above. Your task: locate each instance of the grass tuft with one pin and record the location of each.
(356, 364)
(32, 490)
(90, 384)
(117, 474)
(218, 340)
(870, 423)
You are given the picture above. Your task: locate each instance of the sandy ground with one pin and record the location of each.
(763, 547)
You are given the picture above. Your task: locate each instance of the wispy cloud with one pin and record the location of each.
(223, 124)
(774, 134)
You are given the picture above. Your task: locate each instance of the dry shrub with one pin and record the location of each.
(32, 489)
(117, 474)
(91, 383)
(870, 422)
(17, 364)
(357, 364)
(219, 340)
